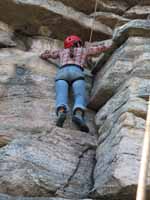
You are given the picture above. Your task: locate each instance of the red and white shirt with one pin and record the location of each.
(80, 54)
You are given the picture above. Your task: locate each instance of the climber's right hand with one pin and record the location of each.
(45, 55)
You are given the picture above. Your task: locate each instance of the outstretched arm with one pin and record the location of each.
(50, 54)
(93, 50)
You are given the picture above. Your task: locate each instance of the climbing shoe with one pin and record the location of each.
(61, 117)
(78, 119)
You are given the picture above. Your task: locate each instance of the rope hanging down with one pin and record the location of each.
(92, 27)
(141, 190)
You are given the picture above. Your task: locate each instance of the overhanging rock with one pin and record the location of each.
(88, 6)
(135, 27)
(110, 19)
(135, 2)
(51, 18)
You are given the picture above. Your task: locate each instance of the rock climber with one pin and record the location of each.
(71, 73)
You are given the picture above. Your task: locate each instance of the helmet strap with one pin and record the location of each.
(77, 44)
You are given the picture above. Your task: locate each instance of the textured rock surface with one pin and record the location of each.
(125, 62)
(49, 163)
(27, 93)
(6, 35)
(138, 12)
(110, 19)
(121, 125)
(6, 197)
(103, 5)
(41, 162)
(27, 107)
(133, 28)
(49, 17)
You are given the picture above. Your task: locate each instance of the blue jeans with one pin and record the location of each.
(74, 76)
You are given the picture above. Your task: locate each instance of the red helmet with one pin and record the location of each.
(70, 40)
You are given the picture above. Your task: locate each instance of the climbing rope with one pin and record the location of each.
(141, 190)
(92, 27)
(89, 62)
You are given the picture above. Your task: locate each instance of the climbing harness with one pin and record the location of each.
(141, 190)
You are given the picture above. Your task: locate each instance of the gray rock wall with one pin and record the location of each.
(42, 162)
(120, 93)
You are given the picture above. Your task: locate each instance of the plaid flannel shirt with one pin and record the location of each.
(80, 54)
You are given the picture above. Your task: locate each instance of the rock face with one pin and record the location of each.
(50, 163)
(124, 62)
(27, 107)
(45, 16)
(121, 124)
(6, 197)
(6, 35)
(120, 93)
(39, 161)
(27, 91)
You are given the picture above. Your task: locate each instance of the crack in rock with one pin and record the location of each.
(62, 190)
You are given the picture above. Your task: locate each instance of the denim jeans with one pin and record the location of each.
(70, 76)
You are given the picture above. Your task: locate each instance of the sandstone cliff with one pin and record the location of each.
(39, 161)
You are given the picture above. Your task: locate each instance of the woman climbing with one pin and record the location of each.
(71, 73)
